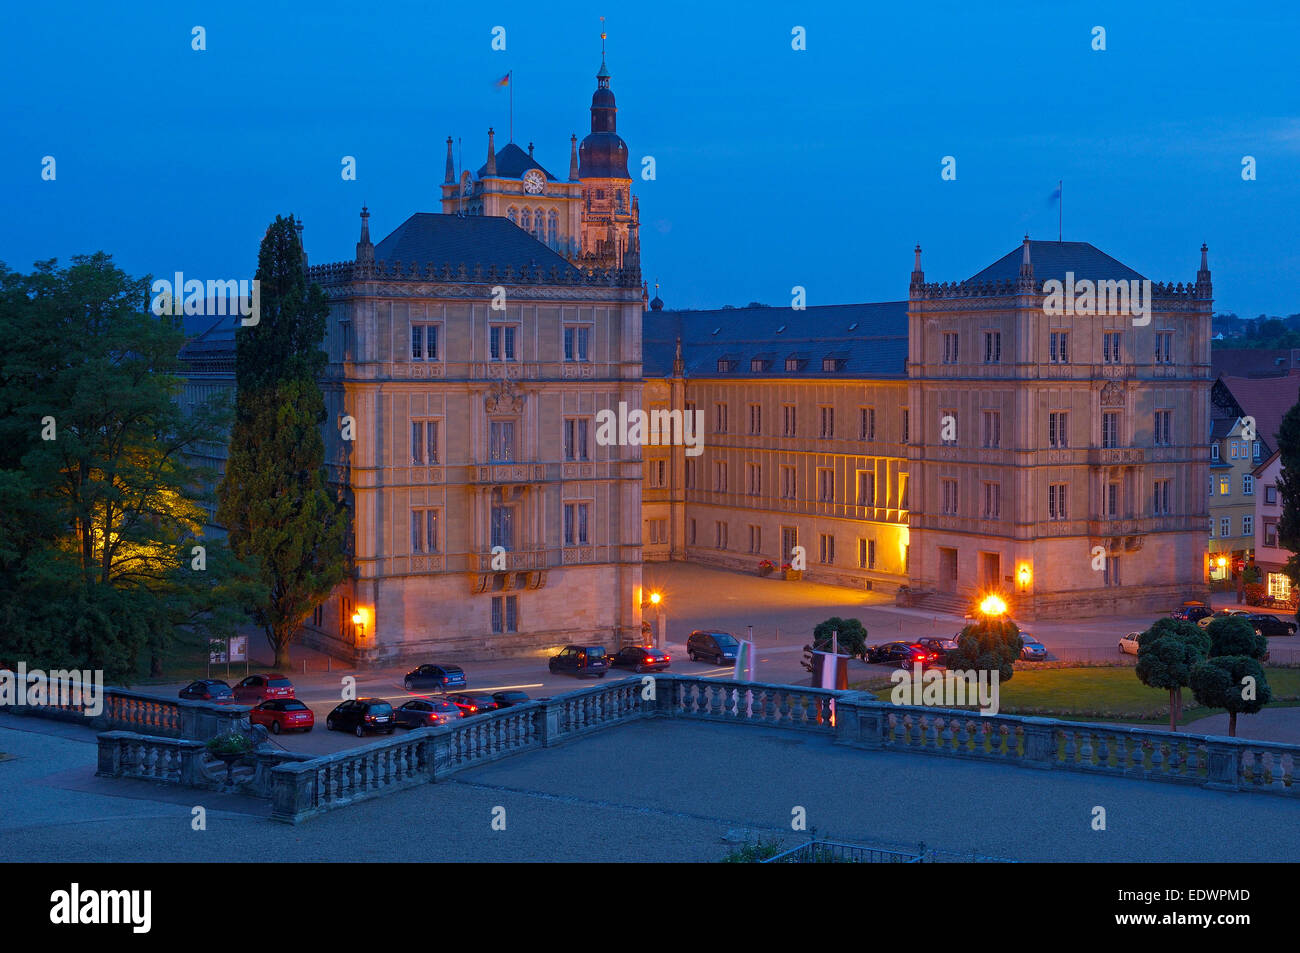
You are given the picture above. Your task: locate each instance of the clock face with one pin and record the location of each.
(534, 182)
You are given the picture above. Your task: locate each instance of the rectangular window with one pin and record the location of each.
(424, 531)
(828, 422)
(501, 342)
(575, 439)
(755, 419)
(576, 340)
(690, 531)
(1160, 498)
(992, 500)
(1110, 429)
(907, 429)
(950, 347)
(503, 527)
(789, 540)
(1056, 501)
(787, 483)
(827, 549)
(424, 342)
(825, 484)
(720, 534)
(1164, 341)
(992, 347)
(1248, 526)
(505, 614)
(720, 476)
(576, 522)
(755, 539)
(1270, 494)
(1112, 570)
(1058, 429)
(949, 496)
(1110, 501)
(1060, 347)
(1214, 451)
(1225, 526)
(866, 488)
(658, 473)
(1270, 535)
(788, 420)
(501, 435)
(1110, 347)
(754, 478)
(866, 423)
(992, 429)
(866, 554)
(1163, 428)
(719, 418)
(1225, 484)
(690, 474)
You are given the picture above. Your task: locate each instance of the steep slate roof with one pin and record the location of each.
(1253, 361)
(875, 348)
(1267, 399)
(1054, 259)
(512, 163)
(432, 238)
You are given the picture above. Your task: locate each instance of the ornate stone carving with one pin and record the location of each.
(504, 397)
(1112, 394)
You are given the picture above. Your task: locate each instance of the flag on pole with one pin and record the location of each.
(1055, 196)
(504, 80)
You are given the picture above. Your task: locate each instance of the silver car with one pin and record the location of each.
(1128, 645)
(1033, 650)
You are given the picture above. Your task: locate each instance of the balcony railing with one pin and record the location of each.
(1113, 456)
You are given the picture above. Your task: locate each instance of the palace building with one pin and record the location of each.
(966, 440)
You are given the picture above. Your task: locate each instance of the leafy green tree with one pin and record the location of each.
(275, 502)
(100, 508)
(1288, 488)
(852, 636)
(1167, 652)
(1233, 682)
(1233, 635)
(990, 644)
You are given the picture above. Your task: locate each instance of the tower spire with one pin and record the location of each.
(492, 154)
(1026, 282)
(365, 250)
(451, 165)
(573, 158)
(918, 276)
(1204, 288)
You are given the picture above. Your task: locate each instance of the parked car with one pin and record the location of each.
(506, 699)
(1128, 644)
(360, 716)
(640, 658)
(902, 653)
(258, 688)
(436, 677)
(939, 646)
(715, 647)
(283, 714)
(1204, 621)
(1271, 625)
(473, 704)
(1032, 650)
(208, 690)
(423, 712)
(1192, 611)
(582, 661)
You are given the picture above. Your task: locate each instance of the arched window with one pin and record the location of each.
(513, 214)
(526, 220)
(552, 227)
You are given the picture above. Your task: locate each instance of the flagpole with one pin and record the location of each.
(510, 81)
(460, 187)
(1060, 210)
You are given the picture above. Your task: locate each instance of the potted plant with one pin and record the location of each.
(766, 567)
(229, 748)
(788, 573)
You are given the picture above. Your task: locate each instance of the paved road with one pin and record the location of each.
(648, 791)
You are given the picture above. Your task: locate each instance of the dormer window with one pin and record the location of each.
(726, 365)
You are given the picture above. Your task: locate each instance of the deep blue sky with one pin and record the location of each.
(775, 167)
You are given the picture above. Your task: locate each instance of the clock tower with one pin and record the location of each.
(610, 213)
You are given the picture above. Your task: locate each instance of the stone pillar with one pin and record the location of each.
(438, 751)
(292, 792)
(859, 720)
(110, 754)
(1224, 766)
(662, 706)
(550, 725)
(1040, 742)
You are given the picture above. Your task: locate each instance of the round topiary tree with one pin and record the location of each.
(1233, 635)
(992, 644)
(1233, 682)
(852, 636)
(1167, 653)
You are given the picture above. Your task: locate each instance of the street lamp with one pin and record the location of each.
(359, 620)
(656, 600)
(1024, 575)
(993, 605)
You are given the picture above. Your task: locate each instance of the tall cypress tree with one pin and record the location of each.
(1288, 488)
(274, 499)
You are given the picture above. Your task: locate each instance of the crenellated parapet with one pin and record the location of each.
(348, 272)
(1169, 291)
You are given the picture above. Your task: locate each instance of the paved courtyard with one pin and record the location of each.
(647, 791)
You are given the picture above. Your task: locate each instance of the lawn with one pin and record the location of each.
(1105, 694)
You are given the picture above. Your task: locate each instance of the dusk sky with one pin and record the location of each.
(775, 167)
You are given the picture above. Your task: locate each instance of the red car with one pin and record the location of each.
(473, 704)
(283, 714)
(260, 688)
(905, 654)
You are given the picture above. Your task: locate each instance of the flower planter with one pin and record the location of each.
(765, 570)
(792, 574)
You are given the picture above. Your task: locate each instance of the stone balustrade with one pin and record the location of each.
(140, 712)
(301, 786)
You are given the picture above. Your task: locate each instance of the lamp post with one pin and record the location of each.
(359, 620)
(656, 600)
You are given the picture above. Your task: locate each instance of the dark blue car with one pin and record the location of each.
(435, 677)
